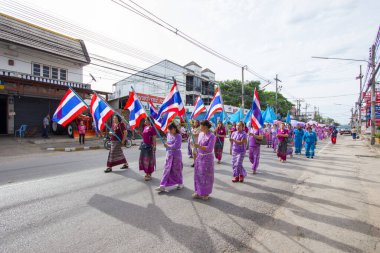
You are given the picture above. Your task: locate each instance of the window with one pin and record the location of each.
(189, 99)
(63, 74)
(36, 69)
(189, 83)
(54, 73)
(197, 84)
(46, 71)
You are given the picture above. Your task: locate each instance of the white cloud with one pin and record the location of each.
(271, 36)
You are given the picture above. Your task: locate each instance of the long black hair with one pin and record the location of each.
(206, 123)
(173, 125)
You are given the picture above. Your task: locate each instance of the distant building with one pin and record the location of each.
(36, 66)
(154, 82)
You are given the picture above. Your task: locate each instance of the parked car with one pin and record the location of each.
(345, 131)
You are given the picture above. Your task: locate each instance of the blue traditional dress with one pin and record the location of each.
(310, 139)
(298, 135)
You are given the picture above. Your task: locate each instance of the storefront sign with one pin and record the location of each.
(148, 98)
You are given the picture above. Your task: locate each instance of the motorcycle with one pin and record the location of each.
(107, 141)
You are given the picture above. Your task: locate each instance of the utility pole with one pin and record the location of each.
(242, 87)
(277, 89)
(306, 105)
(360, 102)
(373, 99)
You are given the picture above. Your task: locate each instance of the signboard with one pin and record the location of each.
(2, 86)
(148, 98)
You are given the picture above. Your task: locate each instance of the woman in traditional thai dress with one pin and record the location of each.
(220, 133)
(232, 129)
(254, 147)
(268, 135)
(147, 160)
(334, 135)
(189, 148)
(118, 137)
(274, 137)
(289, 149)
(282, 136)
(173, 164)
(239, 142)
(204, 163)
(195, 131)
(310, 141)
(298, 135)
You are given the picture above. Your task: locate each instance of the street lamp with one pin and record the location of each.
(373, 90)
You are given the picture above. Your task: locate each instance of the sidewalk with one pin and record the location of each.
(13, 146)
(336, 208)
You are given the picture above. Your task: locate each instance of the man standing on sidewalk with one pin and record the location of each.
(353, 133)
(45, 126)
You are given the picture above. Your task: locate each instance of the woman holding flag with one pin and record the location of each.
(239, 142)
(173, 165)
(204, 162)
(147, 159)
(116, 155)
(220, 133)
(255, 134)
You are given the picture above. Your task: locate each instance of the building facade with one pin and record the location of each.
(36, 67)
(156, 81)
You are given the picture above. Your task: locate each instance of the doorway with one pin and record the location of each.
(3, 114)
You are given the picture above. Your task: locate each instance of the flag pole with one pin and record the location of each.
(187, 120)
(155, 128)
(109, 129)
(150, 120)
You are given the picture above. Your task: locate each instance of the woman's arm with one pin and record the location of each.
(154, 142)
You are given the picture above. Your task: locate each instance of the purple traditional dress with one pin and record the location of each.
(283, 143)
(274, 138)
(254, 149)
(289, 148)
(268, 136)
(147, 159)
(238, 153)
(116, 155)
(204, 165)
(173, 164)
(219, 143)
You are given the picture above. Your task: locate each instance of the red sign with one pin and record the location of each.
(148, 98)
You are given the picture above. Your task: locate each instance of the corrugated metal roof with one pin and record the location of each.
(19, 32)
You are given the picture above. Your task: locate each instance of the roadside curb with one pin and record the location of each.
(71, 149)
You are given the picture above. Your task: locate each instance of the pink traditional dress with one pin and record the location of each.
(204, 165)
(238, 153)
(219, 143)
(173, 164)
(147, 159)
(254, 149)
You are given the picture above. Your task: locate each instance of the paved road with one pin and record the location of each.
(63, 202)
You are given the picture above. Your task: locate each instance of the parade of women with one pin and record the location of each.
(206, 140)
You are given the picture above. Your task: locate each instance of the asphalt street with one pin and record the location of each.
(63, 202)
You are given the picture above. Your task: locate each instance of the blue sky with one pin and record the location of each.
(271, 37)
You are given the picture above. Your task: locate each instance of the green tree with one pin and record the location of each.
(231, 93)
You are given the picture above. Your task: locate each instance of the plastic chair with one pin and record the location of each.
(21, 131)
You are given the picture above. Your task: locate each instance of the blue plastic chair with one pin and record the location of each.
(21, 131)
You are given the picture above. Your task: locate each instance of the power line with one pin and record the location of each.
(159, 21)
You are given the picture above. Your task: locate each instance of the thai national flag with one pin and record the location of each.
(256, 118)
(161, 123)
(172, 102)
(100, 111)
(215, 105)
(137, 112)
(199, 107)
(69, 108)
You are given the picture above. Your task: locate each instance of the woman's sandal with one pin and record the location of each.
(125, 166)
(108, 170)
